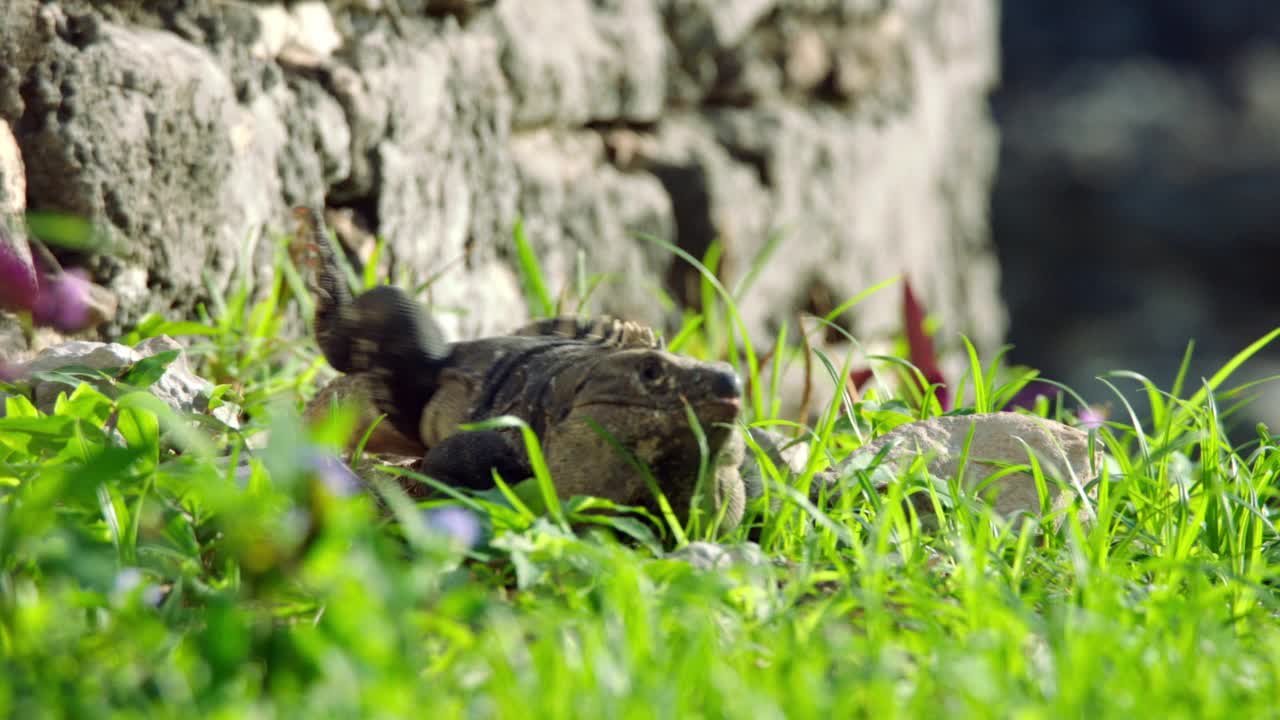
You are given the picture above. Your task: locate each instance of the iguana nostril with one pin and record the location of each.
(724, 382)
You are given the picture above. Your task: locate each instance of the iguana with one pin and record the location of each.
(559, 375)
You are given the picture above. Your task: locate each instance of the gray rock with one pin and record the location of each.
(709, 556)
(998, 440)
(701, 34)
(605, 65)
(1062, 451)
(788, 455)
(178, 386)
(848, 200)
(19, 274)
(575, 203)
(714, 197)
(304, 25)
(137, 123)
(436, 115)
(13, 177)
(857, 129)
(318, 153)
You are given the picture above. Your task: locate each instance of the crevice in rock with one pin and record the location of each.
(354, 223)
(695, 229)
(37, 97)
(818, 299)
(604, 126)
(464, 11)
(624, 141)
(753, 159)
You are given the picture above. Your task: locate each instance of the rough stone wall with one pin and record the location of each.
(856, 128)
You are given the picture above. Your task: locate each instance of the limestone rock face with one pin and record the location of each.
(13, 177)
(17, 273)
(856, 131)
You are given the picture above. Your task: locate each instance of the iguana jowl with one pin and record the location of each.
(561, 376)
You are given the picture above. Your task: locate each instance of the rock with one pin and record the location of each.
(714, 197)
(13, 176)
(1061, 450)
(786, 454)
(702, 33)
(808, 60)
(17, 273)
(575, 202)
(708, 556)
(306, 25)
(434, 115)
(606, 64)
(814, 163)
(318, 153)
(998, 440)
(872, 61)
(178, 386)
(132, 126)
(855, 129)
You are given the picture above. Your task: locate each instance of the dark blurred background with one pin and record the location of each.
(1138, 200)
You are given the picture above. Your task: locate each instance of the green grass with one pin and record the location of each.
(143, 575)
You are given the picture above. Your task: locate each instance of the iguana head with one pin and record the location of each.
(639, 398)
(661, 381)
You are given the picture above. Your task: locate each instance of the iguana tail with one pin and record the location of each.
(335, 307)
(382, 332)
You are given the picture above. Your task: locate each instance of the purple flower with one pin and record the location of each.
(1091, 417)
(62, 301)
(9, 372)
(129, 580)
(459, 524)
(336, 476)
(18, 284)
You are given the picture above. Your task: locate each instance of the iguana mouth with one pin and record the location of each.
(715, 404)
(717, 409)
(735, 403)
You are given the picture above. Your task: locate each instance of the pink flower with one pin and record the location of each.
(1092, 417)
(62, 301)
(9, 372)
(18, 284)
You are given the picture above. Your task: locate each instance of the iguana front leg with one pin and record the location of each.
(468, 459)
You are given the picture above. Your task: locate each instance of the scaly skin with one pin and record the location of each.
(573, 380)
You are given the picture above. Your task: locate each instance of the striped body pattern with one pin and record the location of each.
(586, 386)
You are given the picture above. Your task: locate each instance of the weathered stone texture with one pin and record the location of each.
(13, 177)
(984, 446)
(178, 387)
(858, 130)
